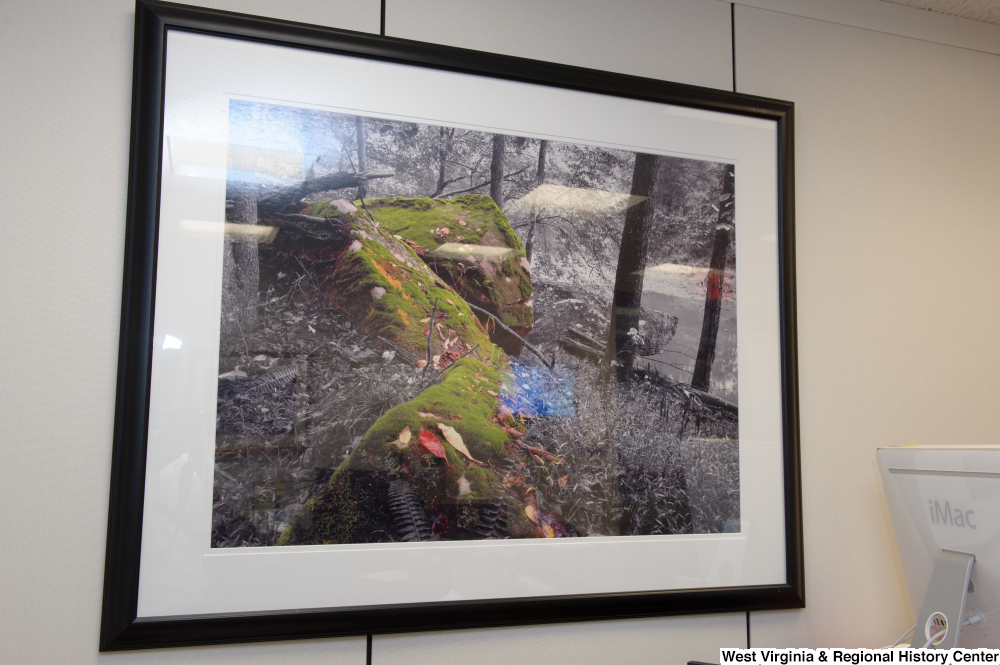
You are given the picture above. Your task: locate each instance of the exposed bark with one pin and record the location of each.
(632, 261)
(316, 228)
(496, 169)
(714, 283)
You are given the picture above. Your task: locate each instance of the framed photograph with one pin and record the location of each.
(417, 338)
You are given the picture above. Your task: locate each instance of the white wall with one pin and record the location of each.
(897, 129)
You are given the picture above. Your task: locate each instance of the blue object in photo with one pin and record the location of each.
(539, 391)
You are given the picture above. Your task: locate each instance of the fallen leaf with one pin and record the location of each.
(463, 486)
(426, 415)
(532, 513)
(450, 301)
(427, 332)
(403, 439)
(452, 436)
(425, 320)
(517, 434)
(547, 456)
(421, 363)
(562, 481)
(431, 443)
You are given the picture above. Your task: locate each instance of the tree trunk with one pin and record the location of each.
(543, 147)
(632, 262)
(240, 270)
(496, 170)
(714, 283)
(530, 242)
(444, 149)
(362, 155)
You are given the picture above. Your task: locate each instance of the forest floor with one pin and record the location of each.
(637, 457)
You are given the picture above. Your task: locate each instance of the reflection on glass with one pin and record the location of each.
(453, 335)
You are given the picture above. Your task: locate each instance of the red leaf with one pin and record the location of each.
(431, 443)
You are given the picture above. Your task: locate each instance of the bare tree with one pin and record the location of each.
(445, 145)
(496, 169)
(715, 281)
(362, 153)
(632, 253)
(543, 146)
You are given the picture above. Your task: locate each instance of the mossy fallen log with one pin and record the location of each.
(468, 242)
(456, 490)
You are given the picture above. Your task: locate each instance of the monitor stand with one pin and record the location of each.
(944, 603)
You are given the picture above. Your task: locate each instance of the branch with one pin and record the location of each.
(470, 189)
(510, 330)
(440, 189)
(483, 184)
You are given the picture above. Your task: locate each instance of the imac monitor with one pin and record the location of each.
(948, 498)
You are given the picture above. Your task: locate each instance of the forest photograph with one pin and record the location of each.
(434, 333)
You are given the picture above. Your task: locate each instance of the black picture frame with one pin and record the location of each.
(120, 627)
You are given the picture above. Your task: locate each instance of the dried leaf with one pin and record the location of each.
(425, 320)
(423, 414)
(532, 513)
(403, 440)
(562, 481)
(463, 486)
(450, 301)
(421, 363)
(452, 436)
(431, 443)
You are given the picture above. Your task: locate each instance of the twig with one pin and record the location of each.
(438, 375)
(510, 330)
(430, 334)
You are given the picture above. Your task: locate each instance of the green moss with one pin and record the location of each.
(481, 481)
(353, 503)
(457, 400)
(321, 209)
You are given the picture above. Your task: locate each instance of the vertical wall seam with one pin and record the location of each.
(368, 652)
(732, 34)
(381, 32)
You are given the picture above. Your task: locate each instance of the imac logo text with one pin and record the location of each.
(951, 517)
